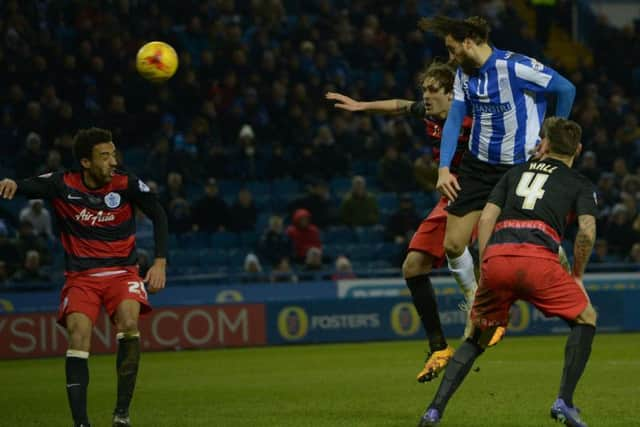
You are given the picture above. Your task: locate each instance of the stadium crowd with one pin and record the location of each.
(241, 143)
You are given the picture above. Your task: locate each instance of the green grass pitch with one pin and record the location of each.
(350, 385)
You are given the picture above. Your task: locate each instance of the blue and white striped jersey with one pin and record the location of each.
(506, 99)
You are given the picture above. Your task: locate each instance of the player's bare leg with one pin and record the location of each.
(79, 328)
(576, 355)
(456, 240)
(128, 358)
(416, 269)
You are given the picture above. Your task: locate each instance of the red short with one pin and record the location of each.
(541, 281)
(429, 237)
(85, 293)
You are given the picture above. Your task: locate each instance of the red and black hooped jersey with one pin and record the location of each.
(433, 129)
(97, 226)
(536, 199)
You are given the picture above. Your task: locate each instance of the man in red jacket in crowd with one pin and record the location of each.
(303, 234)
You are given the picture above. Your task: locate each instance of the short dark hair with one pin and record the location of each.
(86, 139)
(442, 72)
(475, 28)
(564, 135)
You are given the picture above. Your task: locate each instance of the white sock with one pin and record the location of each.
(462, 270)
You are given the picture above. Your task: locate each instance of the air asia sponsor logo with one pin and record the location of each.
(38, 334)
(92, 218)
(294, 323)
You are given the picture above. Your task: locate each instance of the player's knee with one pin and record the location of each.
(127, 324)
(454, 247)
(416, 264)
(587, 317)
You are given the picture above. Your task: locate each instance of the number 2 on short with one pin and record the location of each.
(530, 187)
(137, 288)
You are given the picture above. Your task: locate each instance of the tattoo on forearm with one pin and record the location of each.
(584, 243)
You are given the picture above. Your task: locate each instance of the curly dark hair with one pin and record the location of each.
(85, 139)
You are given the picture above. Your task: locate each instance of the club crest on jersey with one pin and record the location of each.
(112, 200)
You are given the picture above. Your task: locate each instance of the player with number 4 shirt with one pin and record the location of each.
(94, 209)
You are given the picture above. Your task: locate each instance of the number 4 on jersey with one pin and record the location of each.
(530, 187)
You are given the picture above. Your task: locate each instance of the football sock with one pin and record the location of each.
(127, 362)
(576, 355)
(462, 270)
(77, 372)
(424, 298)
(455, 373)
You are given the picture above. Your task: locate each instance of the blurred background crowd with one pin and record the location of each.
(263, 179)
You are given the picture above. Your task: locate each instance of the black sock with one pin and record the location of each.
(576, 355)
(77, 372)
(455, 373)
(424, 298)
(127, 363)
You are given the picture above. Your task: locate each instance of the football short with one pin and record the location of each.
(429, 237)
(541, 281)
(86, 293)
(476, 179)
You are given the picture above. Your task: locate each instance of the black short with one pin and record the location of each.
(477, 179)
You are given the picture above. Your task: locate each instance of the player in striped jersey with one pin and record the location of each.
(504, 92)
(94, 212)
(426, 249)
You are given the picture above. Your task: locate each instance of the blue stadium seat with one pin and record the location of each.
(282, 187)
(213, 257)
(258, 188)
(340, 186)
(338, 235)
(224, 240)
(229, 188)
(374, 234)
(387, 201)
(249, 240)
(193, 240)
(182, 258)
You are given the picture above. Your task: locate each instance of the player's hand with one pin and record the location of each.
(156, 276)
(8, 188)
(344, 102)
(447, 184)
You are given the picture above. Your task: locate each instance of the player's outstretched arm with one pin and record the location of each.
(583, 245)
(39, 187)
(486, 224)
(386, 106)
(565, 94)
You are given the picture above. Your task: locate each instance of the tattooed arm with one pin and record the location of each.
(583, 245)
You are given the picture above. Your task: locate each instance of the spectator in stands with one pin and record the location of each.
(252, 269)
(359, 208)
(589, 166)
(211, 212)
(278, 165)
(634, 256)
(159, 161)
(39, 217)
(274, 244)
(313, 260)
(28, 240)
(329, 153)
(30, 270)
(620, 171)
(343, 269)
(247, 160)
(174, 189)
(303, 234)
(144, 227)
(4, 273)
(601, 252)
(395, 171)
(282, 272)
(9, 252)
(243, 213)
(317, 201)
(619, 231)
(53, 164)
(628, 136)
(31, 158)
(403, 222)
(144, 261)
(175, 202)
(426, 170)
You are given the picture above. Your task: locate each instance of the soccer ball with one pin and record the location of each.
(157, 61)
